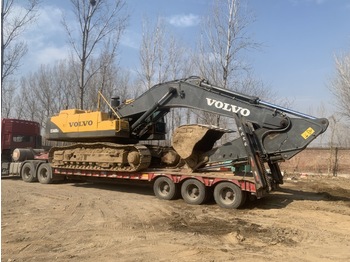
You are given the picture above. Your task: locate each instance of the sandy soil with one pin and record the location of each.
(306, 220)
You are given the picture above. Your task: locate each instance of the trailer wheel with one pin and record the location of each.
(165, 188)
(28, 173)
(193, 192)
(229, 195)
(45, 174)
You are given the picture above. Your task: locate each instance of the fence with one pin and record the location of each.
(332, 161)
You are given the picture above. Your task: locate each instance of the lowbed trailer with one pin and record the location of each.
(229, 189)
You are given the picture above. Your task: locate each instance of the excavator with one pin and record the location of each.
(120, 140)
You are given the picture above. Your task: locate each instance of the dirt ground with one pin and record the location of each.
(308, 219)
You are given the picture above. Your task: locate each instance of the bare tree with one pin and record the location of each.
(223, 42)
(111, 81)
(162, 58)
(148, 52)
(97, 20)
(28, 108)
(47, 91)
(340, 85)
(13, 24)
(161, 54)
(8, 91)
(103, 76)
(42, 95)
(52, 88)
(65, 82)
(15, 19)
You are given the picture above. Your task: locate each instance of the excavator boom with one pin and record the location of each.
(280, 133)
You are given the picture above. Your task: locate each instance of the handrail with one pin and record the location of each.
(108, 104)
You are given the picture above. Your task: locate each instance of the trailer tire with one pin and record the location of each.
(165, 188)
(45, 174)
(229, 195)
(194, 192)
(28, 173)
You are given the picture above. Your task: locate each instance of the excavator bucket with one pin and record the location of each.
(191, 141)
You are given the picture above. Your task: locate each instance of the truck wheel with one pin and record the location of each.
(193, 192)
(28, 173)
(45, 174)
(229, 195)
(165, 188)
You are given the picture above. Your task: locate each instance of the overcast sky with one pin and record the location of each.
(299, 40)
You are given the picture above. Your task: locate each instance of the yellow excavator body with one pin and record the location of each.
(77, 125)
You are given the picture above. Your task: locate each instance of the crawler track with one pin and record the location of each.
(102, 156)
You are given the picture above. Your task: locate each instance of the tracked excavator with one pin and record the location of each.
(117, 140)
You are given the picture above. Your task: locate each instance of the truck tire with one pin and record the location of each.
(28, 173)
(165, 188)
(194, 192)
(229, 195)
(45, 174)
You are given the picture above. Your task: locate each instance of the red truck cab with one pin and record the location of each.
(17, 133)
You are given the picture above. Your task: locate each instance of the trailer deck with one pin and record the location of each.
(244, 180)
